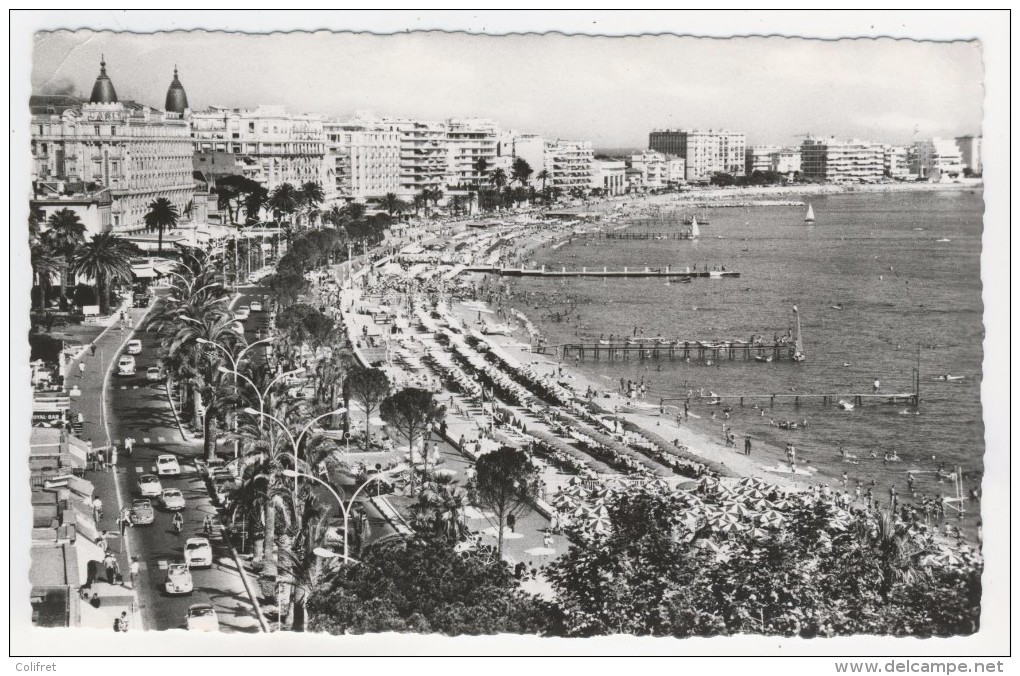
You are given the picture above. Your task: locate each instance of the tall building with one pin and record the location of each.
(111, 158)
(365, 160)
(268, 145)
(467, 141)
(895, 162)
(652, 168)
(970, 152)
(705, 152)
(786, 161)
(759, 158)
(842, 161)
(939, 158)
(570, 164)
(424, 156)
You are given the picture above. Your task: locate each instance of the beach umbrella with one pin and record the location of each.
(759, 533)
(444, 472)
(738, 509)
(540, 551)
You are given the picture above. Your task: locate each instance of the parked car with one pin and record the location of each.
(178, 579)
(256, 306)
(202, 617)
(198, 553)
(153, 374)
(167, 465)
(142, 513)
(172, 499)
(126, 365)
(142, 301)
(149, 486)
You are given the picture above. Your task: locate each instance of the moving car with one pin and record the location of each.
(172, 499)
(167, 465)
(178, 579)
(142, 513)
(153, 373)
(256, 306)
(198, 553)
(142, 301)
(134, 346)
(149, 486)
(202, 617)
(126, 365)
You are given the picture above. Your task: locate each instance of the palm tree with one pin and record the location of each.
(44, 265)
(64, 234)
(392, 204)
(284, 200)
(421, 199)
(106, 259)
(434, 194)
(498, 179)
(312, 195)
(335, 215)
(898, 555)
(162, 215)
(543, 176)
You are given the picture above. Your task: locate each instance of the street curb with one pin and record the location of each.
(177, 419)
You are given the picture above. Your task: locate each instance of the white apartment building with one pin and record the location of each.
(113, 157)
(365, 161)
(970, 152)
(939, 158)
(842, 161)
(570, 164)
(676, 170)
(652, 166)
(786, 161)
(424, 155)
(759, 158)
(705, 152)
(470, 140)
(268, 145)
(611, 176)
(895, 161)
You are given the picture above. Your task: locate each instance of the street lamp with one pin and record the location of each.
(234, 362)
(344, 509)
(262, 395)
(294, 443)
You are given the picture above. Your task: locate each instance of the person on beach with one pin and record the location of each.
(747, 445)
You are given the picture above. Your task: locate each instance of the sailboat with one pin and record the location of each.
(694, 228)
(798, 353)
(810, 217)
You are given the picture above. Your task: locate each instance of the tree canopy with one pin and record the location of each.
(507, 483)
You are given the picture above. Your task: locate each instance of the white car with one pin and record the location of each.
(134, 346)
(178, 579)
(256, 306)
(202, 617)
(172, 499)
(126, 366)
(198, 553)
(153, 374)
(242, 312)
(149, 486)
(167, 465)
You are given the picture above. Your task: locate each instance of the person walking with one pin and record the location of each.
(81, 369)
(92, 349)
(129, 445)
(134, 570)
(511, 522)
(747, 445)
(125, 520)
(121, 623)
(110, 563)
(97, 509)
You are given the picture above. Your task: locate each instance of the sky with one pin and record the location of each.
(611, 91)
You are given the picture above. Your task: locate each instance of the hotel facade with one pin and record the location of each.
(705, 152)
(842, 161)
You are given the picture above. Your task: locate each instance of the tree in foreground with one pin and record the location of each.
(507, 484)
(412, 412)
(423, 586)
(654, 571)
(368, 387)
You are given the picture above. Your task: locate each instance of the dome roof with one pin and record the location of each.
(176, 98)
(102, 90)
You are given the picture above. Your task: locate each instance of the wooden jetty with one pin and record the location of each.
(678, 273)
(638, 236)
(675, 349)
(857, 399)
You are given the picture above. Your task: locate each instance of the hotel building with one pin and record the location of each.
(705, 152)
(842, 161)
(364, 160)
(939, 158)
(970, 152)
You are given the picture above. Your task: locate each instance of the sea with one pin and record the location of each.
(882, 281)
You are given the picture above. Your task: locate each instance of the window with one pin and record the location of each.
(96, 128)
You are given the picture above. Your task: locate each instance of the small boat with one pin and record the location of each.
(948, 377)
(908, 412)
(845, 405)
(763, 358)
(798, 353)
(846, 364)
(944, 239)
(810, 216)
(694, 228)
(838, 306)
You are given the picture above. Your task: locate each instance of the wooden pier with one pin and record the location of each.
(686, 350)
(857, 399)
(677, 273)
(624, 235)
